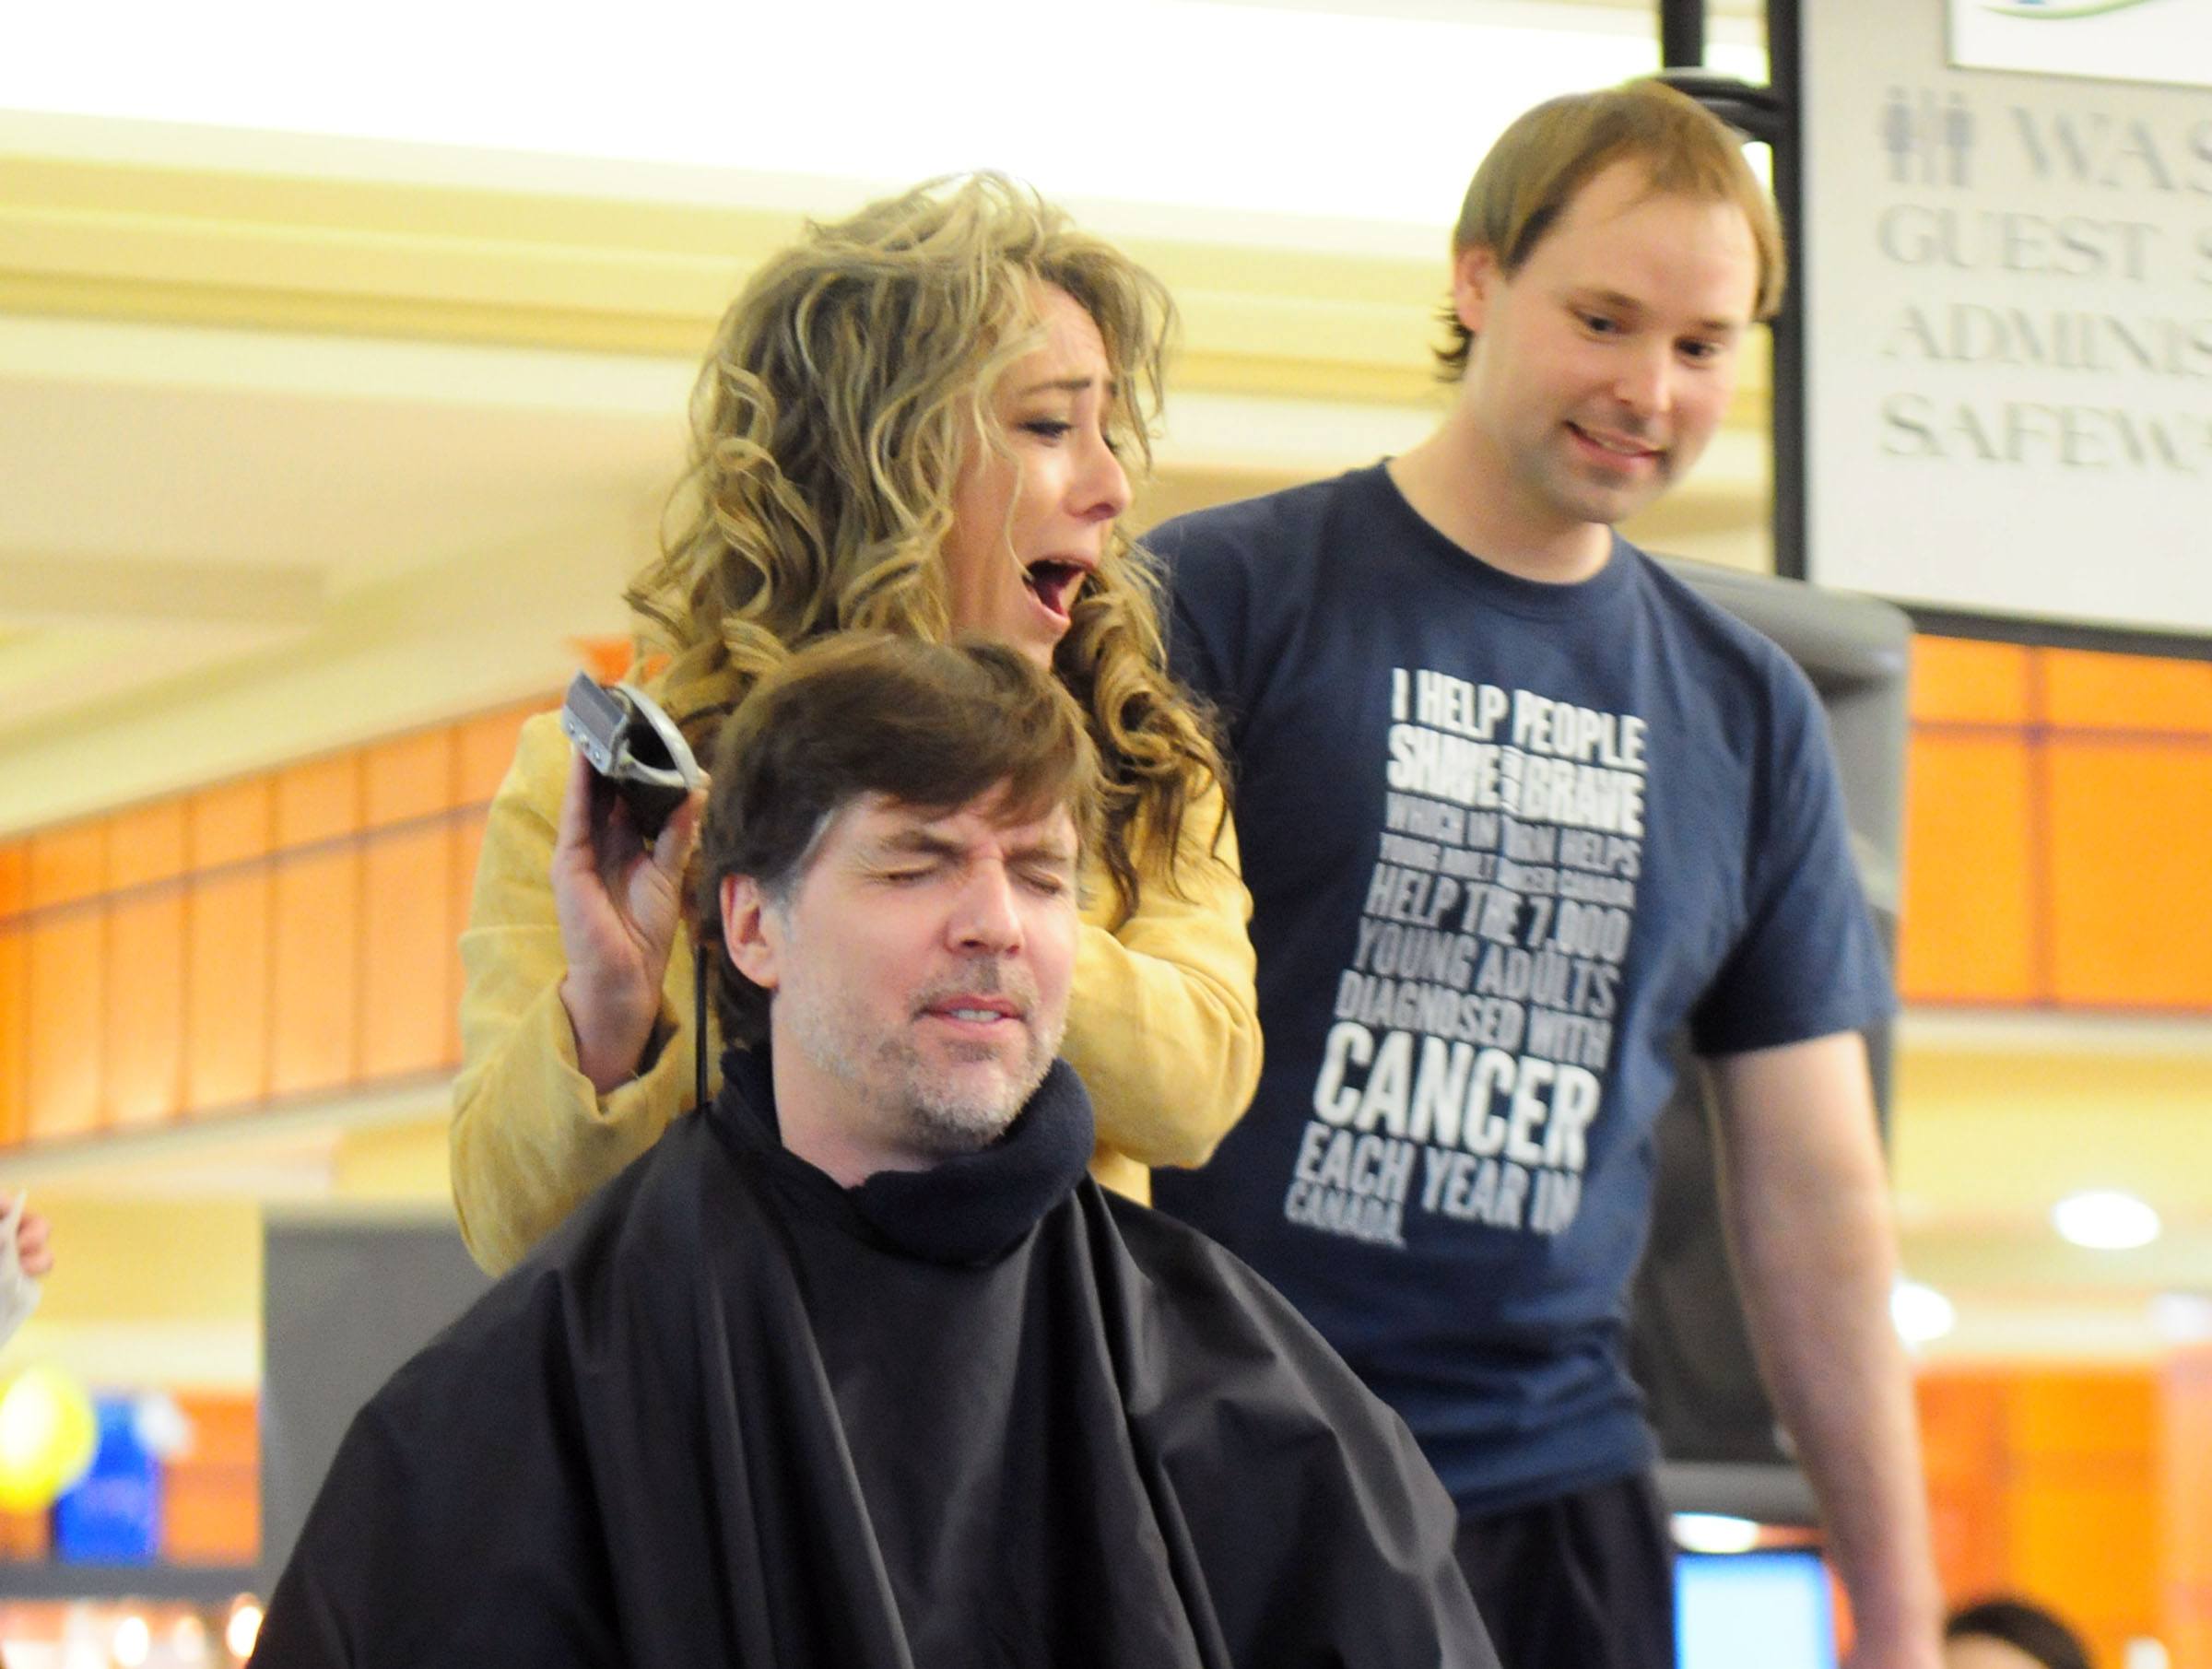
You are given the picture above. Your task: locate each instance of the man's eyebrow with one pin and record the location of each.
(917, 841)
(1050, 849)
(1614, 301)
(923, 842)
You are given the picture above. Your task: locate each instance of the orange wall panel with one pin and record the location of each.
(15, 1021)
(227, 930)
(229, 823)
(406, 939)
(2090, 1552)
(1962, 1449)
(407, 776)
(2043, 1481)
(15, 1030)
(1967, 923)
(2189, 1640)
(2103, 844)
(211, 1505)
(14, 878)
(2131, 846)
(468, 844)
(2185, 1494)
(2084, 1416)
(2086, 690)
(226, 1427)
(63, 1010)
(144, 1030)
(2083, 1522)
(318, 800)
(314, 972)
(1961, 681)
(484, 749)
(26, 1535)
(67, 864)
(145, 845)
(211, 1516)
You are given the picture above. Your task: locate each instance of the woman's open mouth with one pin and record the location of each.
(1054, 583)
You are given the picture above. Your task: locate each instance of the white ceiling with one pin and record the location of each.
(212, 522)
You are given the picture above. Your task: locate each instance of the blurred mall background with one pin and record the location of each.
(342, 369)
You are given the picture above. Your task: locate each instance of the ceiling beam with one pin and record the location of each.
(47, 591)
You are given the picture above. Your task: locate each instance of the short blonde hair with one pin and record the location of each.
(1552, 152)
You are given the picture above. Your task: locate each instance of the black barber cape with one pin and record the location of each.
(732, 1414)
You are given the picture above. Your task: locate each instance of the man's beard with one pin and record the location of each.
(935, 1107)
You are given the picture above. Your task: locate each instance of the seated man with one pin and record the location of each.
(858, 1367)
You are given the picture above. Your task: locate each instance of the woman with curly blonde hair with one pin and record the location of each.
(914, 420)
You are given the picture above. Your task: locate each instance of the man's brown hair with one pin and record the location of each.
(1552, 152)
(931, 725)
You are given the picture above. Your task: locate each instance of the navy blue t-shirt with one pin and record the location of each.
(1504, 839)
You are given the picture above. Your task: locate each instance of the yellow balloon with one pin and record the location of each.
(48, 1436)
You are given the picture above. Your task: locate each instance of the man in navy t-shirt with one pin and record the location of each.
(1516, 807)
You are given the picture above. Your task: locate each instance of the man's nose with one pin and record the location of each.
(986, 916)
(1645, 384)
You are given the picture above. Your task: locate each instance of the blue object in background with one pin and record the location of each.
(113, 1515)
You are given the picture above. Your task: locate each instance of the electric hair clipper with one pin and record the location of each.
(634, 745)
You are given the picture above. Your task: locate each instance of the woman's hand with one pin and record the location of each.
(620, 903)
(32, 1252)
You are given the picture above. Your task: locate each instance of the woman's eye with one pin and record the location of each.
(1049, 428)
(1599, 324)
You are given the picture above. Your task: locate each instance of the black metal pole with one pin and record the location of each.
(1787, 390)
(1771, 114)
(1681, 34)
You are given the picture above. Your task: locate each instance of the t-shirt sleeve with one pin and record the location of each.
(1206, 613)
(1808, 962)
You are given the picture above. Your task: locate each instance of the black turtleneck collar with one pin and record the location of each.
(968, 1209)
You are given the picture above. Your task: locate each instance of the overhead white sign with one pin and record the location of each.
(2105, 39)
(2008, 328)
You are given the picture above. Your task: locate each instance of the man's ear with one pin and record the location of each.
(747, 932)
(1475, 276)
